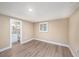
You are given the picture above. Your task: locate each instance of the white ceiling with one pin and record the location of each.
(40, 11)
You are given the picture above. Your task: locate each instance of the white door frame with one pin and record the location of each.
(11, 31)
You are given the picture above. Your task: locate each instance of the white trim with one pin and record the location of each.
(72, 52)
(11, 31)
(52, 42)
(56, 43)
(3, 49)
(20, 31)
(26, 41)
(60, 44)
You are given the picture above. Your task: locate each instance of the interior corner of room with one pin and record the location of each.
(59, 31)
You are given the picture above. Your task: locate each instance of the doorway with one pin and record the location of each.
(15, 31)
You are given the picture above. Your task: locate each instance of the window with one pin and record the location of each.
(43, 27)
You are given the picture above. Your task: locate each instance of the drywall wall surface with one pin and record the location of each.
(74, 32)
(4, 32)
(57, 31)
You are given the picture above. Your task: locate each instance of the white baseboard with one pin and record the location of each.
(72, 52)
(26, 41)
(56, 43)
(60, 44)
(3, 49)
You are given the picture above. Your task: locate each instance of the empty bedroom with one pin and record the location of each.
(39, 29)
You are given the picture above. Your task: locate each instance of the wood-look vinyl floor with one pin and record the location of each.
(36, 48)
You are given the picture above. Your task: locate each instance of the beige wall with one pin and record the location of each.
(57, 31)
(27, 32)
(4, 31)
(65, 31)
(74, 32)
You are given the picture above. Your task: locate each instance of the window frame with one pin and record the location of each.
(43, 24)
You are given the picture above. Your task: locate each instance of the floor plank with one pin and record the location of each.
(36, 48)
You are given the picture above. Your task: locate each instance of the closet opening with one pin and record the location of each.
(15, 31)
